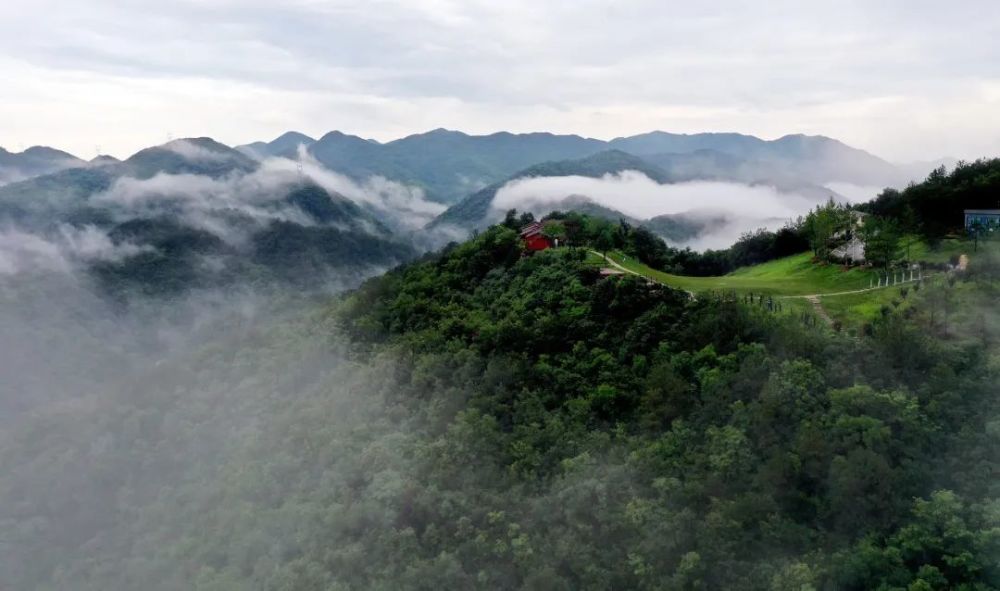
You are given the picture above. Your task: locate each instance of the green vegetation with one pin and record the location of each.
(482, 419)
(823, 224)
(854, 310)
(794, 275)
(934, 208)
(942, 252)
(486, 418)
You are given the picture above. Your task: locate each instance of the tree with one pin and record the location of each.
(882, 238)
(823, 224)
(605, 241)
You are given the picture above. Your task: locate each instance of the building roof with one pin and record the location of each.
(853, 249)
(983, 211)
(532, 229)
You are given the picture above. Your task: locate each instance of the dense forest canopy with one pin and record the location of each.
(483, 419)
(935, 206)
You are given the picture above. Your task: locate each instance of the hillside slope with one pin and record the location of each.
(481, 419)
(449, 165)
(476, 209)
(195, 214)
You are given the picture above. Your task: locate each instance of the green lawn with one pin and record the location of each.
(853, 309)
(798, 275)
(945, 251)
(795, 275)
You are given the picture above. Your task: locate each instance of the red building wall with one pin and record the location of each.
(537, 242)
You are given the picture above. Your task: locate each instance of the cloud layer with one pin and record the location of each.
(221, 206)
(633, 193)
(24, 252)
(906, 80)
(260, 194)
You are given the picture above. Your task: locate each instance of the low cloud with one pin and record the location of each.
(204, 202)
(196, 153)
(260, 195)
(743, 207)
(24, 252)
(406, 206)
(855, 193)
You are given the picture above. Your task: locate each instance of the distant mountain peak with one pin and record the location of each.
(339, 136)
(439, 133)
(104, 159)
(33, 162)
(289, 136)
(200, 155)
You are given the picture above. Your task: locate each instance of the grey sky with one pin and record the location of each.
(906, 80)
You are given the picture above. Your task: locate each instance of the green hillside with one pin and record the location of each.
(481, 419)
(794, 275)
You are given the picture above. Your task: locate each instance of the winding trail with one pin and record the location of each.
(837, 293)
(608, 259)
(819, 309)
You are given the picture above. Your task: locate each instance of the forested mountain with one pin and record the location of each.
(287, 144)
(476, 209)
(450, 165)
(35, 161)
(195, 214)
(817, 159)
(481, 419)
(713, 165)
(200, 156)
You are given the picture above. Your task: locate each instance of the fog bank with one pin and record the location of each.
(745, 207)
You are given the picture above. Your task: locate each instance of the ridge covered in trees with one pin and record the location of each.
(485, 419)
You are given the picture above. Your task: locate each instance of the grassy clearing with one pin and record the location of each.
(595, 260)
(795, 275)
(944, 252)
(852, 310)
(798, 275)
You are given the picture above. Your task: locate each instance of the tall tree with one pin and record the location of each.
(882, 241)
(823, 224)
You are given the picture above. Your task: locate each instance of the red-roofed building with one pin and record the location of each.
(533, 238)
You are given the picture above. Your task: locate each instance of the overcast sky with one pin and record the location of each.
(907, 80)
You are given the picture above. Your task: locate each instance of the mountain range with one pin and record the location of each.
(450, 165)
(196, 212)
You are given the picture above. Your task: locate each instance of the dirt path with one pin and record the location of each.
(608, 259)
(837, 293)
(818, 308)
(631, 272)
